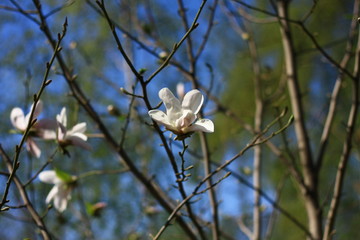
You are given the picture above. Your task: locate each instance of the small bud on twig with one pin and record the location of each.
(48, 82)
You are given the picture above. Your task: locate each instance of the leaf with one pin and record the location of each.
(64, 176)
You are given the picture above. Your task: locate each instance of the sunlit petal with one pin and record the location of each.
(47, 134)
(46, 128)
(172, 104)
(61, 118)
(79, 135)
(61, 199)
(33, 148)
(61, 131)
(37, 111)
(78, 128)
(49, 177)
(53, 192)
(187, 118)
(159, 116)
(18, 119)
(203, 125)
(193, 101)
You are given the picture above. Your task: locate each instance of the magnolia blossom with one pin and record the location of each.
(75, 136)
(60, 194)
(40, 129)
(180, 117)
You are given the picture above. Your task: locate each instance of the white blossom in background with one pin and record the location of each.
(40, 129)
(180, 90)
(163, 55)
(75, 136)
(180, 117)
(60, 194)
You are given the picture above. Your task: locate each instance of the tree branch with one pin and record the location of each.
(309, 171)
(350, 129)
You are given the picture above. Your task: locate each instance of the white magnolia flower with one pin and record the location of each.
(40, 129)
(18, 118)
(60, 194)
(75, 136)
(180, 118)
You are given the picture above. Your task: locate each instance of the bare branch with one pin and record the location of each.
(350, 130)
(310, 175)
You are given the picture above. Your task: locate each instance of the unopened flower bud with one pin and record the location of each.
(112, 110)
(180, 90)
(245, 36)
(163, 55)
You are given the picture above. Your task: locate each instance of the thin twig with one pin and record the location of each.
(274, 213)
(101, 172)
(42, 168)
(26, 13)
(127, 121)
(58, 9)
(211, 23)
(138, 42)
(177, 45)
(117, 39)
(244, 228)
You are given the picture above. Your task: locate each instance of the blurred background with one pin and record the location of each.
(230, 40)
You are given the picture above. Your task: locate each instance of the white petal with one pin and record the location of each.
(78, 128)
(47, 134)
(77, 141)
(49, 177)
(18, 119)
(33, 148)
(172, 104)
(61, 118)
(78, 135)
(187, 118)
(61, 131)
(203, 125)
(53, 192)
(159, 116)
(60, 203)
(193, 101)
(61, 198)
(38, 109)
